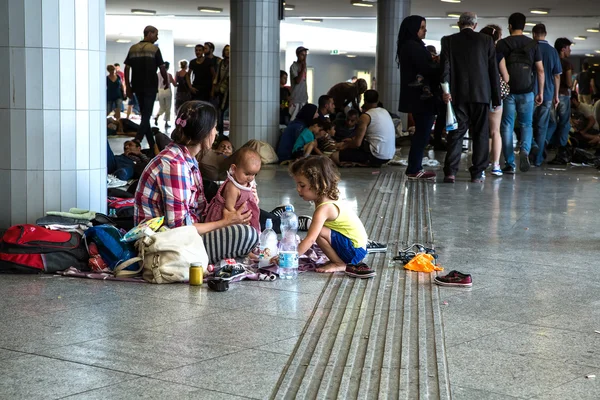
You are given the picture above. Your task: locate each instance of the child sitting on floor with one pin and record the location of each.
(306, 143)
(238, 189)
(334, 227)
(326, 143)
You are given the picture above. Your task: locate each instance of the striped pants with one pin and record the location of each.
(229, 242)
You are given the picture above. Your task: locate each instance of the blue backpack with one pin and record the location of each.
(112, 250)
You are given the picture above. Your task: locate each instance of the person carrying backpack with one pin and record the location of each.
(524, 63)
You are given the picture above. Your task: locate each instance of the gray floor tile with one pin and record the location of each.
(141, 353)
(236, 328)
(504, 373)
(34, 377)
(565, 319)
(581, 388)
(464, 329)
(252, 373)
(5, 354)
(286, 346)
(544, 343)
(464, 393)
(151, 389)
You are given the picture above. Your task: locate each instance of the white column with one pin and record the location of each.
(52, 108)
(254, 74)
(290, 56)
(390, 14)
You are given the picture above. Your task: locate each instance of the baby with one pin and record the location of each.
(238, 189)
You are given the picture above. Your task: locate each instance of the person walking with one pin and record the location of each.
(419, 78)
(522, 59)
(469, 65)
(559, 127)
(140, 79)
(165, 97)
(220, 91)
(203, 71)
(587, 86)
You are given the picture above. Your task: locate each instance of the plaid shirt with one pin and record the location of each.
(171, 186)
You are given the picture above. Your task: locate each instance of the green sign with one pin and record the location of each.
(334, 52)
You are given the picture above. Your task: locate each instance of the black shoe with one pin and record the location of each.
(167, 125)
(478, 178)
(376, 247)
(280, 209)
(524, 164)
(508, 170)
(304, 222)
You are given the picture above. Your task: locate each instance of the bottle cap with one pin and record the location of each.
(269, 224)
(196, 264)
(288, 207)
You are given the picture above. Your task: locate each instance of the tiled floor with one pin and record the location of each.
(525, 330)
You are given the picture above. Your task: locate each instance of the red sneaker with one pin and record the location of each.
(360, 270)
(454, 278)
(422, 174)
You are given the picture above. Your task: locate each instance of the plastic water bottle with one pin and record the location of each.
(289, 221)
(288, 256)
(267, 244)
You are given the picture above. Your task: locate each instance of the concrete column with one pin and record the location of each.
(290, 56)
(52, 108)
(390, 14)
(254, 74)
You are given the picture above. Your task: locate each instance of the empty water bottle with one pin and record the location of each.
(267, 244)
(289, 221)
(288, 256)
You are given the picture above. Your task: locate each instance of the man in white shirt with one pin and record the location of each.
(299, 96)
(374, 141)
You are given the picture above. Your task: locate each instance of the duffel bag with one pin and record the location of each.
(34, 249)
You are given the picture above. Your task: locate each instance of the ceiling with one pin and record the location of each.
(349, 28)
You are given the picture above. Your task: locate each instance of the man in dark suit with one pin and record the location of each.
(468, 61)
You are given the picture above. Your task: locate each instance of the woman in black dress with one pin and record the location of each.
(183, 90)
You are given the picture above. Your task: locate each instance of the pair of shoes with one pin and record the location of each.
(449, 179)
(478, 178)
(422, 174)
(360, 270)
(114, 182)
(524, 164)
(280, 209)
(454, 278)
(228, 272)
(304, 222)
(508, 170)
(496, 171)
(376, 247)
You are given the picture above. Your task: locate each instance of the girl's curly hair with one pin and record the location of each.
(321, 173)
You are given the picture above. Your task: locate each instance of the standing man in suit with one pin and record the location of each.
(468, 61)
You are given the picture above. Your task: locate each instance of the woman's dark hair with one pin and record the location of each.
(282, 73)
(321, 173)
(409, 30)
(194, 123)
(223, 52)
(492, 30)
(307, 114)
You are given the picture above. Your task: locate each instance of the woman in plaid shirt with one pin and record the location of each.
(171, 186)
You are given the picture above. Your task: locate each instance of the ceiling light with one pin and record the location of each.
(351, 56)
(190, 45)
(143, 12)
(590, 55)
(541, 11)
(123, 41)
(342, 52)
(453, 15)
(454, 26)
(451, 1)
(289, 7)
(213, 10)
(580, 38)
(596, 65)
(597, 51)
(312, 20)
(527, 33)
(532, 23)
(593, 30)
(361, 4)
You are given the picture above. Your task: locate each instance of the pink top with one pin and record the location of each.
(217, 204)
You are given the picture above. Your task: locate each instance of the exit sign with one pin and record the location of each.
(334, 52)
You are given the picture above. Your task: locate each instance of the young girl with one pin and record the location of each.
(238, 189)
(336, 229)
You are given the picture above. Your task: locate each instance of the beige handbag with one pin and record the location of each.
(166, 256)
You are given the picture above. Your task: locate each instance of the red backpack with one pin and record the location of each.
(35, 249)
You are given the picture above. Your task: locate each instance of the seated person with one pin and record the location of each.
(171, 186)
(306, 143)
(374, 142)
(345, 127)
(289, 135)
(224, 148)
(588, 112)
(122, 126)
(326, 143)
(345, 93)
(238, 189)
(326, 107)
(128, 165)
(284, 99)
(213, 163)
